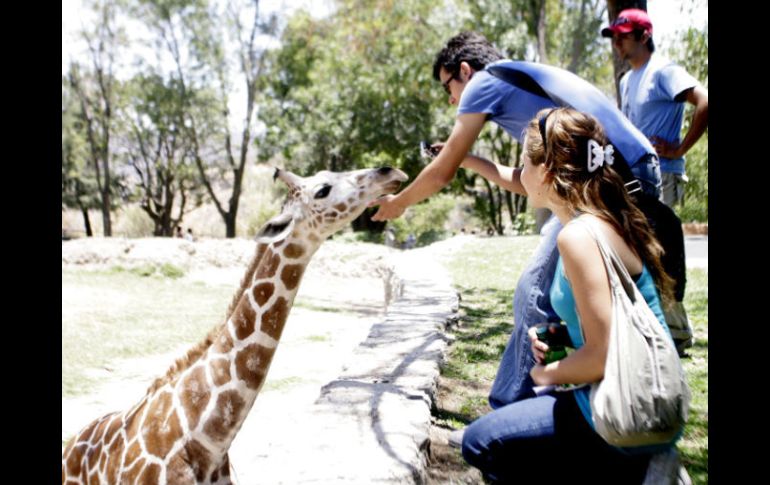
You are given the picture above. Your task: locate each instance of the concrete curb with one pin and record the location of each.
(382, 401)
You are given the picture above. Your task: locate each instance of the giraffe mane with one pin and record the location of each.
(193, 354)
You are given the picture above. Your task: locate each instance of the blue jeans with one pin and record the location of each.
(546, 439)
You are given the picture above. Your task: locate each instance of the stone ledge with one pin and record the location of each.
(382, 401)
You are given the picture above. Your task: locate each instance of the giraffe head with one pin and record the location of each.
(320, 205)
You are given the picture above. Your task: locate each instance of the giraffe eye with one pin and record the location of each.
(323, 192)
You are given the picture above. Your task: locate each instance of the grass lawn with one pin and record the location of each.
(485, 272)
(110, 315)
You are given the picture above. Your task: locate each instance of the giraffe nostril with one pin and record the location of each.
(384, 170)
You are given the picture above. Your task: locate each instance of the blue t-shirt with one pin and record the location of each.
(647, 99)
(512, 108)
(563, 302)
(508, 106)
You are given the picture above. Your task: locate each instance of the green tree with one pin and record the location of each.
(691, 52)
(96, 92)
(79, 188)
(203, 42)
(158, 150)
(353, 90)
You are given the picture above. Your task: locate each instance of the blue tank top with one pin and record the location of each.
(563, 302)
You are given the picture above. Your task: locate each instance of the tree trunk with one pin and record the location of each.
(230, 224)
(614, 7)
(578, 39)
(541, 29)
(106, 220)
(86, 222)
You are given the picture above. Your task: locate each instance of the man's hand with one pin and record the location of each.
(666, 149)
(389, 208)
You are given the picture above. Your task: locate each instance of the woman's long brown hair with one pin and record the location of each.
(602, 192)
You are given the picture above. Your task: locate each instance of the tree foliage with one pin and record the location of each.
(158, 150)
(691, 52)
(350, 90)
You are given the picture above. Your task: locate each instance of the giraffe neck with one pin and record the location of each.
(216, 394)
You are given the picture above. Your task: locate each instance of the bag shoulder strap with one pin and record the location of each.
(616, 270)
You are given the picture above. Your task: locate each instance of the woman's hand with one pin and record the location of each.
(539, 348)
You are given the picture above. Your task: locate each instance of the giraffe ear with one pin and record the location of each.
(276, 229)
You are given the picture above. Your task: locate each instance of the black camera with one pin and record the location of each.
(427, 150)
(556, 337)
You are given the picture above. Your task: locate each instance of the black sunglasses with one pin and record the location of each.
(445, 84)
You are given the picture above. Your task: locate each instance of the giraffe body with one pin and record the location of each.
(181, 430)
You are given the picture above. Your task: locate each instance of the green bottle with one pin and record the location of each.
(554, 335)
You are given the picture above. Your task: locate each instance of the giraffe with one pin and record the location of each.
(181, 430)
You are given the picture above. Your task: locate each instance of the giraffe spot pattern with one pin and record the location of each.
(293, 251)
(113, 461)
(132, 453)
(101, 428)
(113, 428)
(195, 395)
(262, 293)
(225, 416)
(243, 319)
(133, 421)
(93, 454)
(341, 207)
(151, 475)
(274, 318)
(269, 265)
(291, 274)
(220, 371)
(223, 343)
(131, 473)
(251, 364)
(161, 427)
(189, 464)
(94, 479)
(75, 460)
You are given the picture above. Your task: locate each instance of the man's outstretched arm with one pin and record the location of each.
(509, 178)
(439, 172)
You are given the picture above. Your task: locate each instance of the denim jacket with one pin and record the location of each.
(531, 305)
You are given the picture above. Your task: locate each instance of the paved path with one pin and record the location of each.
(696, 250)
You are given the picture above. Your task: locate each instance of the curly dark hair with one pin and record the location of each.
(470, 47)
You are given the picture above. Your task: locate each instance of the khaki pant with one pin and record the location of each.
(679, 324)
(672, 191)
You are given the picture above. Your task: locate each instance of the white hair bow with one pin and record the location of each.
(598, 156)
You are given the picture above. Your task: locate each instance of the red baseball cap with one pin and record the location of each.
(629, 20)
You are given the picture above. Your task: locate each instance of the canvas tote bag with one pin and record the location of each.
(643, 398)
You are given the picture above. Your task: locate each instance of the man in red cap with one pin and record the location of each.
(652, 96)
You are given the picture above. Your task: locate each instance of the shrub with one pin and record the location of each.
(426, 221)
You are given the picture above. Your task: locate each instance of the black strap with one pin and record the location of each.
(524, 82)
(519, 79)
